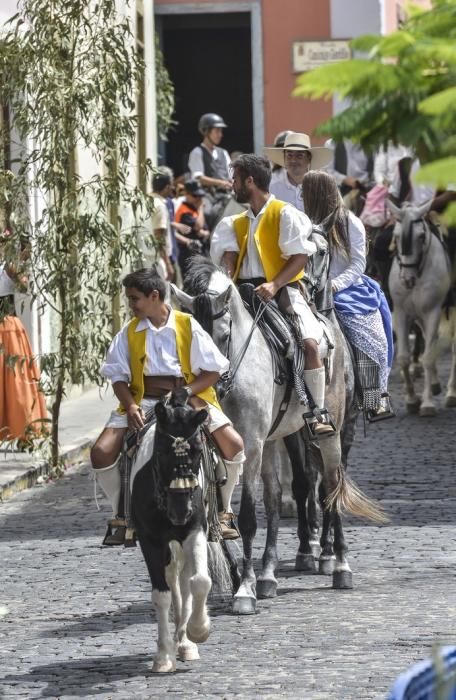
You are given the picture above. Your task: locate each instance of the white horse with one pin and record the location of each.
(419, 281)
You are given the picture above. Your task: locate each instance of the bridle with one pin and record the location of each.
(184, 478)
(419, 262)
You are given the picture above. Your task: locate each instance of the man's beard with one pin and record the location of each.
(241, 194)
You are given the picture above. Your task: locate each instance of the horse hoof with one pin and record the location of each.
(198, 634)
(188, 652)
(450, 402)
(326, 566)
(244, 605)
(427, 411)
(266, 588)
(342, 580)
(305, 563)
(164, 666)
(414, 406)
(436, 388)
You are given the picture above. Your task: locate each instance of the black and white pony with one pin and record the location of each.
(419, 281)
(169, 513)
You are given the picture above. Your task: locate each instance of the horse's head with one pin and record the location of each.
(178, 447)
(208, 295)
(411, 234)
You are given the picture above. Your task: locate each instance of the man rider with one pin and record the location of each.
(210, 163)
(268, 244)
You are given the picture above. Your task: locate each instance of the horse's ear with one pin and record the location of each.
(184, 299)
(397, 211)
(201, 416)
(423, 209)
(226, 296)
(161, 412)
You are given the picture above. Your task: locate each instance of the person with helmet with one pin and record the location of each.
(210, 164)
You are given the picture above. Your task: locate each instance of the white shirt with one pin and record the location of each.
(419, 194)
(295, 229)
(7, 286)
(161, 352)
(357, 164)
(385, 162)
(196, 163)
(160, 220)
(342, 271)
(286, 191)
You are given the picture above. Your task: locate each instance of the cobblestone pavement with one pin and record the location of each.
(81, 625)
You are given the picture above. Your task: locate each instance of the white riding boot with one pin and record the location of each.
(109, 480)
(233, 472)
(315, 380)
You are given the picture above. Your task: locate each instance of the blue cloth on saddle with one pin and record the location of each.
(363, 298)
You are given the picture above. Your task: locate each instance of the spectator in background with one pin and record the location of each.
(278, 143)
(210, 164)
(386, 160)
(154, 240)
(23, 414)
(191, 214)
(296, 157)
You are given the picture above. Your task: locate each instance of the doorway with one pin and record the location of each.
(208, 57)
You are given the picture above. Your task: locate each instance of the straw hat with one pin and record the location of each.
(321, 155)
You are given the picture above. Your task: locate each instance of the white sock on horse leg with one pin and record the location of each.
(109, 480)
(233, 472)
(315, 380)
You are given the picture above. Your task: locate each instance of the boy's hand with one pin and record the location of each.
(135, 417)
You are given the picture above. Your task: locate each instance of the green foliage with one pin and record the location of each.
(403, 90)
(164, 94)
(69, 73)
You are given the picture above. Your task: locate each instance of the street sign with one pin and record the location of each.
(310, 54)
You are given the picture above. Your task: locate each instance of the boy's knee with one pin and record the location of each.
(310, 348)
(102, 457)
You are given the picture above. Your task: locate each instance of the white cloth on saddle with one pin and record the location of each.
(161, 352)
(295, 229)
(217, 418)
(344, 271)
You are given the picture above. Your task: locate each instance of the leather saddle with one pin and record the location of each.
(274, 327)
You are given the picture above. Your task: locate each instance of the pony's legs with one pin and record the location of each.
(402, 327)
(450, 400)
(303, 492)
(182, 603)
(272, 492)
(244, 600)
(342, 576)
(165, 658)
(195, 585)
(431, 326)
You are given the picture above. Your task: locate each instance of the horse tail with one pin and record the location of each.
(347, 497)
(219, 569)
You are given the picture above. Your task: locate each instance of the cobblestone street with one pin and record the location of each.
(80, 621)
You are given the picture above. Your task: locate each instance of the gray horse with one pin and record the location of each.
(253, 404)
(419, 281)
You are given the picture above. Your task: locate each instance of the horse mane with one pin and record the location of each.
(198, 274)
(196, 282)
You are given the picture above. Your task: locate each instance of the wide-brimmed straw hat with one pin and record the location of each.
(321, 155)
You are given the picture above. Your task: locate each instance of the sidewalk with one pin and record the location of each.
(81, 420)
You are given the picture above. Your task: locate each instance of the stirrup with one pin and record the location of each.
(317, 416)
(118, 533)
(384, 411)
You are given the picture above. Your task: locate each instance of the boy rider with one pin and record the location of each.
(158, 351)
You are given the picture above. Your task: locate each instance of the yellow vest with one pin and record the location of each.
(266, 238)
(137, 350)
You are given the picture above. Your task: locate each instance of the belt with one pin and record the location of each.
(157, 386)
(7, 307)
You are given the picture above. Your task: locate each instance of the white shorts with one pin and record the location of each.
(217, 418)
(291, 301)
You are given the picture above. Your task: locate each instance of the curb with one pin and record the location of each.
(30, 476)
